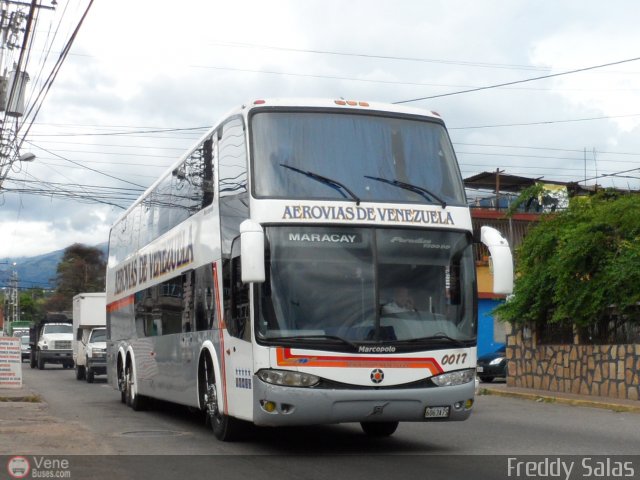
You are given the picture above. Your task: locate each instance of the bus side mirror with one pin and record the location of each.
(501, 259)
(252, 252)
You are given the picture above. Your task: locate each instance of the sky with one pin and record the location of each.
(144, 79)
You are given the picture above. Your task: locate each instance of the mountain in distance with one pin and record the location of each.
(35, 272)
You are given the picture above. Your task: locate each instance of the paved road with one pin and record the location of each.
(169, 442)
(498, 426)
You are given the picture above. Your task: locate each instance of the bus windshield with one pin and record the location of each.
(366, 285)
(338, 156)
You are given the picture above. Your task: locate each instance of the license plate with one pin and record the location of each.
(436, 412)
(479, 369)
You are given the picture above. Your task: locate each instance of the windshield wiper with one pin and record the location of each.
(437, 337)
(302, 338)
(327, 181)
(427, 194)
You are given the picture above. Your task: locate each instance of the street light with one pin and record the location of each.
(27, 157)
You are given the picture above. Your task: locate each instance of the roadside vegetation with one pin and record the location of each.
(580, 266)
(81, 270)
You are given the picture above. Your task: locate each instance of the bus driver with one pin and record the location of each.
(402, 302)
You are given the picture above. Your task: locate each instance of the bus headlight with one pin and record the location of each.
(287, 378)
(454, 378)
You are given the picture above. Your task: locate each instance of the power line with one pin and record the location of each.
(546, 157)
(546, 122)
(384, 57)
(540, 148)
(115, 145)
(37, 105)
(73, 167)
(163, 130)
(119, 154)
(516, 82)
(84, 166)
(137, 191)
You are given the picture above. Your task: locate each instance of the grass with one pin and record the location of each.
(26, 399)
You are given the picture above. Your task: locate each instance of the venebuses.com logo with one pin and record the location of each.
(18, 467)
(38, 467)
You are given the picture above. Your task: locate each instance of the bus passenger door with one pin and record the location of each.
(238, 351)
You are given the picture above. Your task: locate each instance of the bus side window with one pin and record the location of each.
(205, 312)
(188, 287)
(208, 152)
(237, 310)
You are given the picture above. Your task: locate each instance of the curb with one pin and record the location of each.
(22, 394)
(616, 407)
(22, 398)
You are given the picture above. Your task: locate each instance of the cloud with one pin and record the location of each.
(29, 238)
(147, 65)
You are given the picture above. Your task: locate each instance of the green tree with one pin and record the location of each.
(579, 265)
(81, 269)
(31, 304)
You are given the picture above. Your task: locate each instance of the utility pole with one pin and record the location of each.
(13, 315)
(498, 172)
(17, 22)
(4, 307)
(595, 163)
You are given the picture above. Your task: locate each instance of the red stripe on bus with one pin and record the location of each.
(287, 359)
(221, 337)
(123, 302)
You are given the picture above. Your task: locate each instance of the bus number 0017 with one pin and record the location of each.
(454, 359)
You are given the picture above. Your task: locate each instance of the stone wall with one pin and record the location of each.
(603, 370)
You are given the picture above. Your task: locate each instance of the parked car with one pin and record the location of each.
(25, 347)
(492, 365)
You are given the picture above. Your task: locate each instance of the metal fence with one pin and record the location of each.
(614, 330)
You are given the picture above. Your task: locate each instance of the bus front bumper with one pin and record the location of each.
(283, 406)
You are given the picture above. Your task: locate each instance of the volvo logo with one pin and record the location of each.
(377, 375)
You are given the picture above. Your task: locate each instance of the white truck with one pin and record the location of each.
(50, 341)
(90, 339)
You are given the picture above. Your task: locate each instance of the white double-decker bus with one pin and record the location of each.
(307, 262)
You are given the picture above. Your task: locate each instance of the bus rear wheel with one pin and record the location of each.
(379, 429)
(136, 401)
(121, 383)
(225, 428)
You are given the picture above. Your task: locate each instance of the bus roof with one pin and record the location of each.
(339, 104)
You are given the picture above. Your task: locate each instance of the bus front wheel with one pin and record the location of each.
(379, 429)
(225, 428)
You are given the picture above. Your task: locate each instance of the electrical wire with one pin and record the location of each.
(384, 57)
(516, 82)
(163, 130)
(54, 73)
(84, 166)
(48, 52)
(546, 122)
